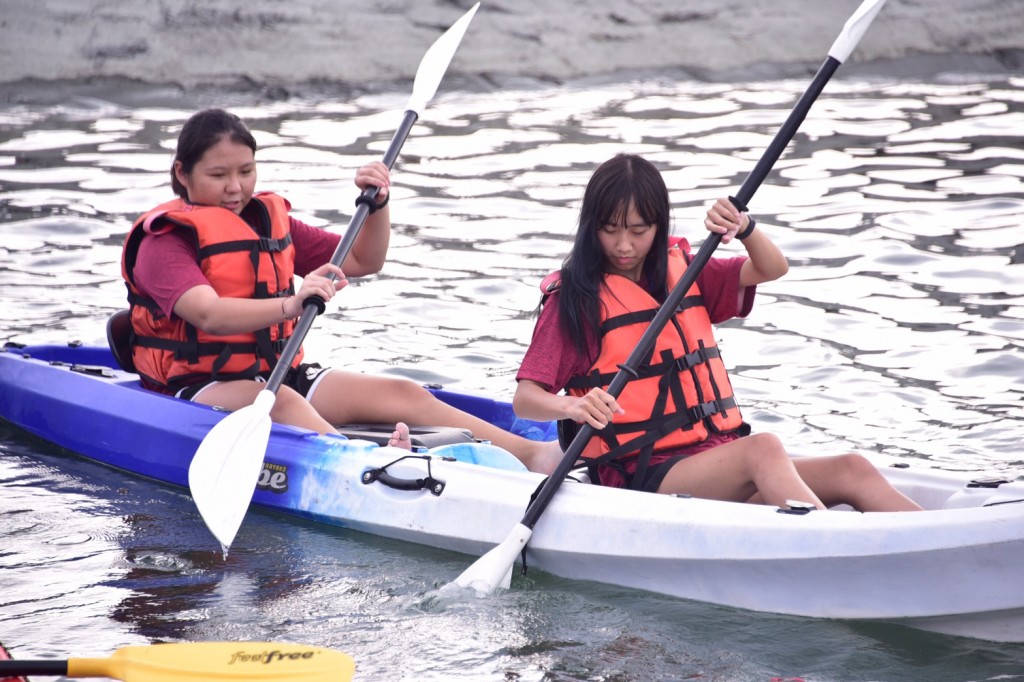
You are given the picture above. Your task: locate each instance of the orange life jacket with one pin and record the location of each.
(239, 262)
(681, 392)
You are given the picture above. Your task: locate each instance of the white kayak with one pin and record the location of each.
(955, 568)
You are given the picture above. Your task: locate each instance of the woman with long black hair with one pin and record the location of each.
(676, 427)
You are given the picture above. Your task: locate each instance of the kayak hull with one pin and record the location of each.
(953, 569)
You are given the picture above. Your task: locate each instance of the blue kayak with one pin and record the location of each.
(466, 496)
(76, 397)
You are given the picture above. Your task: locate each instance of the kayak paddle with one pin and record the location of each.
(494, 569)
(223, 473)
(200, 662)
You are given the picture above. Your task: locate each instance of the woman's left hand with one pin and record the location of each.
(374, 174)
(726, 220)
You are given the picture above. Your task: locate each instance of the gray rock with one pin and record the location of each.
(279, 47)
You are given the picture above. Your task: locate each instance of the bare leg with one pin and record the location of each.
(852, 479)
(738, 470)
(289, 407)
(347, 397)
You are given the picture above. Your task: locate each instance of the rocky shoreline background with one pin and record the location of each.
(273, 49)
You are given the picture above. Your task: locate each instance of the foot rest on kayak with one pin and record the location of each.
(421, 436)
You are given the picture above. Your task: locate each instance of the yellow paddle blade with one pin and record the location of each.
(217, 662)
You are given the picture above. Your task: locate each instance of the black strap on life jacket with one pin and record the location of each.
(256, 245)
(645, 316)
(671, 364)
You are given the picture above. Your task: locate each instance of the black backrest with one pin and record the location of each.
(119, 338)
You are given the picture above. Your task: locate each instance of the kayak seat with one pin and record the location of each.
(421, 436)
(119, 333)
(119, 338)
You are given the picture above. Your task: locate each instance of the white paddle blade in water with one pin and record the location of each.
(494, 569)
(435, 62)
(225, 469)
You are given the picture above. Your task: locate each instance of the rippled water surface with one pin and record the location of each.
(898, 330)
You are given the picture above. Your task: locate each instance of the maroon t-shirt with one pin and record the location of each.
(552, 359)
(166, 266)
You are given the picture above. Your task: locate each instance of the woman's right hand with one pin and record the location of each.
(317, 283)
(374, 174)
(725, 219)
(596, 408)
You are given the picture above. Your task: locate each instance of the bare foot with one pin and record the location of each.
(544, 457)
(400, 437)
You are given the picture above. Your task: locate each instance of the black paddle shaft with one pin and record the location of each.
(675, 297)
(314, 305)
(24, 668)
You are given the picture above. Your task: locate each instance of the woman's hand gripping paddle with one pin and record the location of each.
(494, 569)
(201, 662)
(225, 468)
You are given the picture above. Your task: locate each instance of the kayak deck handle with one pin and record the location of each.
(381, 475)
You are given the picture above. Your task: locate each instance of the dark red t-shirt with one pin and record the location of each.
(552, 358)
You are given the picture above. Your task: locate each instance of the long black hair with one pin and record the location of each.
(623, 180)
(201, 131)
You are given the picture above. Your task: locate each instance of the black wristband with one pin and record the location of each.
(750, 228)
(371, 204)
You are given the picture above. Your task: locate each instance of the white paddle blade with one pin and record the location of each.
(223, 474)
(435, 62)
(494, 569)
(854, 29)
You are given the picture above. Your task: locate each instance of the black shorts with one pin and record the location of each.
(656, 473)
(302, 379)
